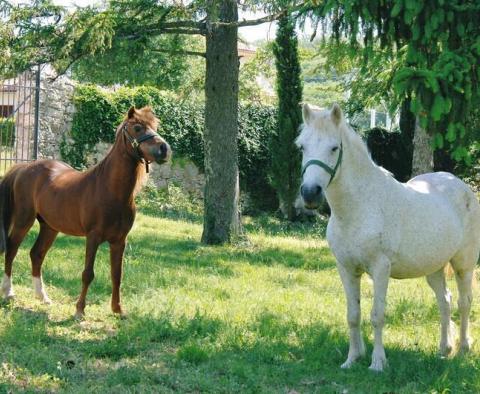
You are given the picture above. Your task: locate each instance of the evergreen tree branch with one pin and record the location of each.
(174, 52)
(265, 19)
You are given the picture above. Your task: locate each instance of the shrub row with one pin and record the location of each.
(7, 131)
(98, 113)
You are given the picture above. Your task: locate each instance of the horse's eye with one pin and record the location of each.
(334, 149)
(137, 128)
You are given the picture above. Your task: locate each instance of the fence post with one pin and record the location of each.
(36, 126)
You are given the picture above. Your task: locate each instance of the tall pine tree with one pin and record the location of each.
(286, 160)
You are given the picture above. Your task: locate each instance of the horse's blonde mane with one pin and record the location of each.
(145, 116)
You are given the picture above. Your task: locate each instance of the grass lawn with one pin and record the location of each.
(264, 317)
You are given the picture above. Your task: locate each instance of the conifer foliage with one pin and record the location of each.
(286, 161)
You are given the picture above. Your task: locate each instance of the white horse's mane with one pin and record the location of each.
(356, 140)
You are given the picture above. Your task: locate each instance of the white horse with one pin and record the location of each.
(388, 229)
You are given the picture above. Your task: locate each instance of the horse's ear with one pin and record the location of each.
(131, 112)
(307, 113)
(336, 114)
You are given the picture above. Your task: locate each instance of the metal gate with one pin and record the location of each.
(19, 112)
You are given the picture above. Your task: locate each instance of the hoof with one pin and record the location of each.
(8, 299)
(347, 364)
(118, 311)
(79, 316)
(44, 299)
(446, 350)
(7, 293)
(379, 363)
(465, 346)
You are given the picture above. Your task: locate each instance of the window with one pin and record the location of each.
(6, 111)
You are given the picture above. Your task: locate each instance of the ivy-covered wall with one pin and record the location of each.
(98, 112)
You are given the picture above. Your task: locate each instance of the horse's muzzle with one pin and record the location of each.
(312, 196)
(163, 154)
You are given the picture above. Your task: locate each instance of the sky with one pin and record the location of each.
(250, 34)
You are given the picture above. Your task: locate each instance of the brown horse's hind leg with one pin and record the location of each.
(116, 260)
(87, 276)
(14, 240)
(37, 254)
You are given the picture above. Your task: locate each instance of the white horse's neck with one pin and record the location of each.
(357, 179)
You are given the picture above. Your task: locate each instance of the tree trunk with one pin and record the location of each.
(221, 218)
(422, 161)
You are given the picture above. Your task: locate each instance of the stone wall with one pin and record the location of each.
(56, 112)
(181, 172)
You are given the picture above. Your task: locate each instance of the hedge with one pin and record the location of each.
(392, 150)
(7, 132)
(98, 112)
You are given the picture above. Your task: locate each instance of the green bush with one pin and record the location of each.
(172, 203)
(99, 112)
(391, 150)
(7, 132)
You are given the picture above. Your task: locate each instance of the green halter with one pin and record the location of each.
(326, 167)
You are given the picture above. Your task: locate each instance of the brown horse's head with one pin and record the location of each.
(140, 127)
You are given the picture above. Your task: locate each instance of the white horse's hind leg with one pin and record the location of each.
(351, 285)
(464, 264)
(444, 299)
(464, 283)
(380, 275)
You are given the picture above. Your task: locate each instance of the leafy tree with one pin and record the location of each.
(43, 32)
(260, 66)
(285, 158)
(323, 84)
(134, 63)
(435, 50)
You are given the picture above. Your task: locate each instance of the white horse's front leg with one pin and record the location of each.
(380, 272)
(351, 285)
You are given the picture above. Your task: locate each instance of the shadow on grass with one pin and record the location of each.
(172, 213)
(265, 223)
(270, 354)
(145, 251)
(270, 225)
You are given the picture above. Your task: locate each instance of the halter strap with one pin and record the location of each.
(135, 142)
(326, 167)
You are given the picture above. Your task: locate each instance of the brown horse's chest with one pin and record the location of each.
(116, 218)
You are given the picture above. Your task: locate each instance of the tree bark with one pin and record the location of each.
(221, 217)
(422, 161)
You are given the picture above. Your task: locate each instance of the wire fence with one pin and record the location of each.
(19, 112)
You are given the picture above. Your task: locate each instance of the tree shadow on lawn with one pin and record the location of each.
(271, 225)
(271, 353)
(190, 253)
(147, 255)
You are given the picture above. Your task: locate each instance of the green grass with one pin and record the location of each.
(263, 317)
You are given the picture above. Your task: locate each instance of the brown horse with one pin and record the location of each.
(97, 203)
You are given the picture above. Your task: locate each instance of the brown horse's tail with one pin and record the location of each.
(6, 186)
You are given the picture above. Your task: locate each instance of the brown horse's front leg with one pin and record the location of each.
(87, 276)
(116, 261)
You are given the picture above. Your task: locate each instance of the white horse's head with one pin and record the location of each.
(321, 144)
